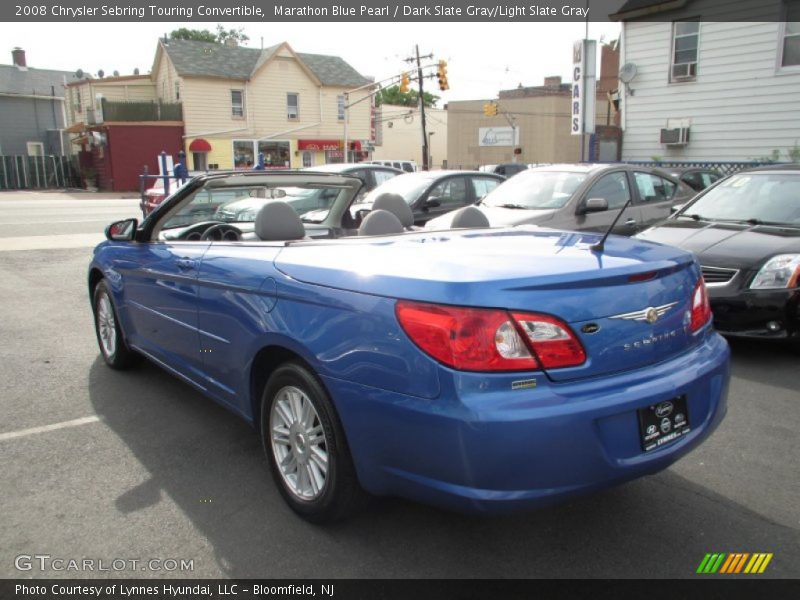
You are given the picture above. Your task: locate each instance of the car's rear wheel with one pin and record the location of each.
(109, 334)
(306, 447)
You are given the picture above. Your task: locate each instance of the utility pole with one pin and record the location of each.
(420, 77)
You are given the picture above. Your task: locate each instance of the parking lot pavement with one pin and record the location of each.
(139, 466)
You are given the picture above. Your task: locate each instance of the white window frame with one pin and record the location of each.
(296, 115)
(177, 90)
(38, 145)
(234, 114)
(782, 38)
(691, 71)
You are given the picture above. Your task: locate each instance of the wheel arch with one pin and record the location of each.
(95, 277)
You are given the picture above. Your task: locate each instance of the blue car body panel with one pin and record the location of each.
(417, 428)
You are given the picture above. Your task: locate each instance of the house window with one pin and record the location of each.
(276, 154)
(340, 107)
(35, 149)
(790, 51)
(76, 94)
(685, 39)
(293, 106)
(237, 103)
(177, 90)
(243, 154)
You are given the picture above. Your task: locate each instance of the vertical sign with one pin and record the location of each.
(584, 76)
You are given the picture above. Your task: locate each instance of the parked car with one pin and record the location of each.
(697, 178)
(434, 193)
(505, 169)
(582, 197)
(482, 370)
(745, 232)
(156, 194)
(407, 166)
(310, 203)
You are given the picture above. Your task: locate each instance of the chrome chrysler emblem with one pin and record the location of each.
(651, 314)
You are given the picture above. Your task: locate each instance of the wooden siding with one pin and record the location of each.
(207, 106)
(742, 105)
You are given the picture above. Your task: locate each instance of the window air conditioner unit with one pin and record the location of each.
(675, 137)
(684, 71)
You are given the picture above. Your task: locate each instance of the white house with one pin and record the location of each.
(710, 79)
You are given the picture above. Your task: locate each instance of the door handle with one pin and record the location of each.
(185, 264)
(630, 221)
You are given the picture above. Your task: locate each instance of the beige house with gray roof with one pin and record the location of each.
(241, 102)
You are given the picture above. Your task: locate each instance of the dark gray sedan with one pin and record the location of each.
(582, 197)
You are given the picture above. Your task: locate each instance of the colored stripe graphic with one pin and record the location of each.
(734, 563)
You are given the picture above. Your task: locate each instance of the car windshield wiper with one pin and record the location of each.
(695, 216)
(517, 206)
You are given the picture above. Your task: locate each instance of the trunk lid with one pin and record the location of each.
(526, 269)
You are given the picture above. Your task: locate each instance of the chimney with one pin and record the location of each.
(231, 43)
(552, 81)
(18, 56)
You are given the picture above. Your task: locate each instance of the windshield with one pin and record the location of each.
(751, 198)
(410, 187)
(535, 190)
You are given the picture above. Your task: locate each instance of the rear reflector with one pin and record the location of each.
(477, 339)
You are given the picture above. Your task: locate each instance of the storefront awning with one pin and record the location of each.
(319, 145)
(199, 145)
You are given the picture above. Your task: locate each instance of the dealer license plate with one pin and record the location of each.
(662, 423)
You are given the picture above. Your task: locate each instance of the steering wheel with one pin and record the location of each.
(222, 232)
(195, 232)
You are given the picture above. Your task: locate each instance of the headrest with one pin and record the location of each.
(469, 216)
(395, 204)
(380, 222)
(277, 221)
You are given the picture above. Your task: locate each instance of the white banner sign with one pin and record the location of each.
(584, 56)
(498, 136)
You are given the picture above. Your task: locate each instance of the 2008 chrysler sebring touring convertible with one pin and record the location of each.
(473, 368)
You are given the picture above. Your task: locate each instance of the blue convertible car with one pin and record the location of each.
(473, 368)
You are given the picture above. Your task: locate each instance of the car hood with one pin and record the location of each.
(499, 216)
(734, 245)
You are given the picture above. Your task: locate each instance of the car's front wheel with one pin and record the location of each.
(306, 447)
(109, 334)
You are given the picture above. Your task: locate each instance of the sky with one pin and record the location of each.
(483, 58)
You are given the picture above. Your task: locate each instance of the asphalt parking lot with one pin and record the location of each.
(143, 467)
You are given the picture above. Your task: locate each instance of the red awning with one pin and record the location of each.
(199, 145)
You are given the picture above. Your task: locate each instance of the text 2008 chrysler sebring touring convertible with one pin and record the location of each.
(477, 369)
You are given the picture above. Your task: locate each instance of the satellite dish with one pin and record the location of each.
(627, 72)
(79, 73)
(116, 73)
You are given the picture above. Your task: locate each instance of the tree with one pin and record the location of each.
(393, 95)
(204, 35)
(237, 35)
(194, 35)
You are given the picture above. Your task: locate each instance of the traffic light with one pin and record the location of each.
(441, 73)
(490, 109)
(404, 83)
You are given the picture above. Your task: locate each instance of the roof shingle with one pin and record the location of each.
(14, 80)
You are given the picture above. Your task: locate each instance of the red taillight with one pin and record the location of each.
(701, 309)
(476, 339)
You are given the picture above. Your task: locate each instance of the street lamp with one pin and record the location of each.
(430, 153)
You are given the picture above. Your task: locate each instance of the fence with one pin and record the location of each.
(141, 111)
(21, 172)
(724, 167)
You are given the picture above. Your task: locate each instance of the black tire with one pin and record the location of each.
(340, 495)
(116, 353)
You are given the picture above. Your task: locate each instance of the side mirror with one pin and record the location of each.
(593, 205)
(432, 202)
(122, 231)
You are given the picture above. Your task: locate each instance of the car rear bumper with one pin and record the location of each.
(481, 447)
(763, 314)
